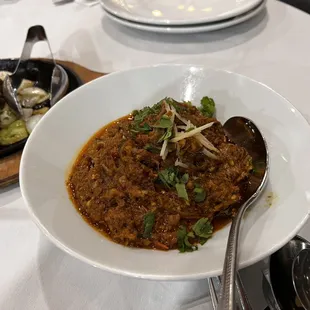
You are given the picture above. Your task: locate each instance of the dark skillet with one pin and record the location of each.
(39, 71)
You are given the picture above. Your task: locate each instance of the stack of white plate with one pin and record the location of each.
(181, 16)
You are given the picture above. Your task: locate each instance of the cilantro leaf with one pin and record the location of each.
(151, 148)
(164, 122)
(190, 234)
(202, 241)
(138, 128)
(203, 228)
(207, 106)
(145, 127)
(166, 135)
(181, 235)
(148, 223)
(200, 193)
(185, 178)
(178, 105)
(181, 190)
(140, 115)
(168, 176)
(183, 243)
(175, 104)
(189, 129)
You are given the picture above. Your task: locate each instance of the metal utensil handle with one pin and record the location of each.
(59, 81)
(243, 297)
(227, 297)
(213, 294)
(35, 34)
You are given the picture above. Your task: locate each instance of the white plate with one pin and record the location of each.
(190, 29)
(177, 12)
(62, 132)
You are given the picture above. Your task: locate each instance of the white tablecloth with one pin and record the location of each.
(274, 48)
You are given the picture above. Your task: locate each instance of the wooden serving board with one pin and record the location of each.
(9, 165)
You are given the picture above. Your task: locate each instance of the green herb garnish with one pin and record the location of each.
(181, 190)
(203, 228)
(189, 129)
(207, 106)
(140, 115)
(202, 241)
(191, 234)
(164, 122)
(151, 148)
(184, 178)
(148, 223)
(171, 178)
(166, 135)
(183, 243)
(135, 128)
(200, 193)
(177, 105)
(145, 127)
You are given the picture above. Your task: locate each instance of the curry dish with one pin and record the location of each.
(160, 177)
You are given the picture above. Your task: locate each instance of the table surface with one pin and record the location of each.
(272, 48)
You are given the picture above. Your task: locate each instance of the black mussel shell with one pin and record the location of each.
(43, 104)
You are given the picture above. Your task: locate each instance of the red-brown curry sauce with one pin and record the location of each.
(115, 192)
(70, 189)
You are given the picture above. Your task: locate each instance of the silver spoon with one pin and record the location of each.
(243, 132)
(301, 277)
(59, 80)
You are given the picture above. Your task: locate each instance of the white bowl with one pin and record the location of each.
(59, 136)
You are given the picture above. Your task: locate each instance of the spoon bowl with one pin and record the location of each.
(245, 133)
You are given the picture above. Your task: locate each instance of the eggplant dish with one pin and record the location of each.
(34, 102)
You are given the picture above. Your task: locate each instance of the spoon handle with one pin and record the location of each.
(227, 297)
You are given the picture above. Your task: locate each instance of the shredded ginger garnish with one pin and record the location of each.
(164, 148)
(190, 130)
(180, 164)
(184, 135)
